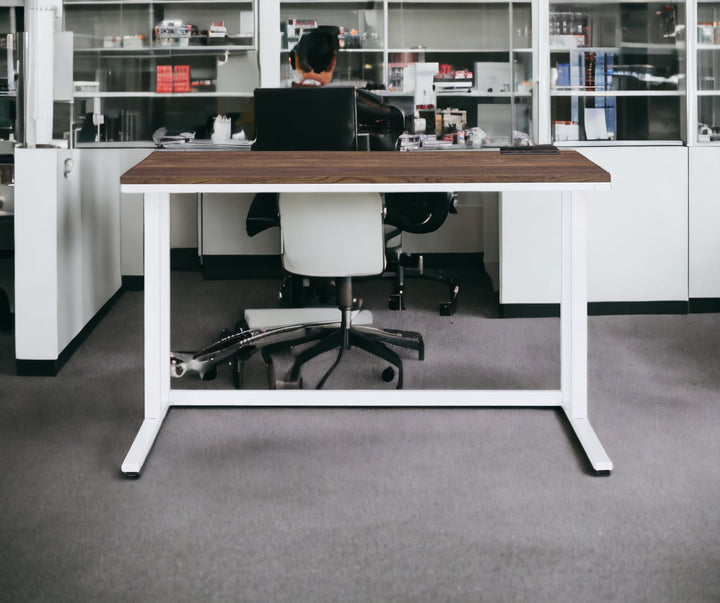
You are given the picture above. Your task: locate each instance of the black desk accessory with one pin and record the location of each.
(539, 149)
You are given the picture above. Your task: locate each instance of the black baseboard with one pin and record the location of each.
(7, 234)
(595, 309)
(181, 258)
(184, 258)
(50, 368)
(448, 261)
(219, 267)
(133, 282)
(700, 305)
(529, 310)
(7, 318)
(651, 307)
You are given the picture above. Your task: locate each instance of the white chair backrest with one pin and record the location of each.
(332, 234)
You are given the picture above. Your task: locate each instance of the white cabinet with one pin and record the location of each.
(67, 264)
(704, 227)
(637, 233)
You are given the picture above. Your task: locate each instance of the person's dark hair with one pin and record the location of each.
(316, 49)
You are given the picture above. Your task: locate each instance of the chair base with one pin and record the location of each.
(410, 267)
(315, 324)
(370, 339)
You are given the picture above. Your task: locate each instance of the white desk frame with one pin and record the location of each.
(571, 397)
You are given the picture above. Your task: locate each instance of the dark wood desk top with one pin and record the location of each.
(319, 167)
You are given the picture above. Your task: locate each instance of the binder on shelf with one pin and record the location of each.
(610, 118)
(563, 78)
(164, 78)
(181, 78)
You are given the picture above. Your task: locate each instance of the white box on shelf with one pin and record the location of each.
(492, 77)
(567, 41)
(566, 131)
(422, 75)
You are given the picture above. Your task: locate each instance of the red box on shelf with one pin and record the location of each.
(164, 81)
(181, 78)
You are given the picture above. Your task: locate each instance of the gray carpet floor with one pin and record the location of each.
(311, 504)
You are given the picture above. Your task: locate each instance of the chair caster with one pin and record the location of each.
(448, 308)
(236, 364)
(210, 375)
(396, 301)
(388, 374)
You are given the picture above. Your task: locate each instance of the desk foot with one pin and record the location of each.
(141, 446)
(590, 443)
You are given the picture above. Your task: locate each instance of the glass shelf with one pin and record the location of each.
(164, 49)
(90, 95)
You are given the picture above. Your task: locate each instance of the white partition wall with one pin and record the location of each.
(67, 261)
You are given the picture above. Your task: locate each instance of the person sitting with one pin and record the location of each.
(314, 57)
(313, 60)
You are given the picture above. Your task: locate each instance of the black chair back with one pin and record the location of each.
(305, 118)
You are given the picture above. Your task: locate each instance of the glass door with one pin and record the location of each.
(617, 72)
(473, 61)
(140, 66)
(708, 71)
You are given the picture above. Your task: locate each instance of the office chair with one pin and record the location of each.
(417, 213)
(381, 125)
(347, 241)
(344, 230)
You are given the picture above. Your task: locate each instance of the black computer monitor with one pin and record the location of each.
(305, 119)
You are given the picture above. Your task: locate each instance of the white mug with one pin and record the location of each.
(221, 129)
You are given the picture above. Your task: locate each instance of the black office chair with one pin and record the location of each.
(417, 213)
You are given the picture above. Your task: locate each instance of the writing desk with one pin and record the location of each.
(166, 172)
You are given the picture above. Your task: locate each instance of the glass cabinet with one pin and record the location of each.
(617, 71)
(140, 66)
(11, 22)
(708, 71)
(581, 72)
(481, 56)
(469, 62)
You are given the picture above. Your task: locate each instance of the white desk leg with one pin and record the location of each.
(573, 327)
(156, 211)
